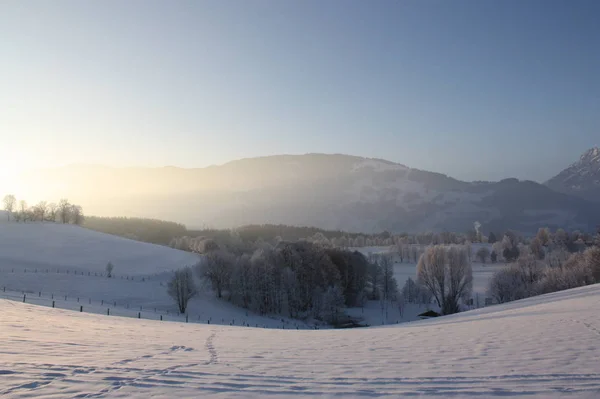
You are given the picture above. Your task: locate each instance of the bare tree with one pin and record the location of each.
(592, 256)
(77, 214)
(9, 204)
(64, 210)
(24, 210)
(388, 283)
(52, 211)
(537, 248)
(182, 288)
(109, 269)
(40, 210)
(217, 267)
(447, 273)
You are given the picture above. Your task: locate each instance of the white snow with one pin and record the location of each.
(68, 247)
(543, 347)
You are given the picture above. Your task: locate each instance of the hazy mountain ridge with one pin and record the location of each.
(326, 191)
(581, 178)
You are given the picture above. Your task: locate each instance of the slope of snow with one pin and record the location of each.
(67, 247)
(48, 262)
(543, 347)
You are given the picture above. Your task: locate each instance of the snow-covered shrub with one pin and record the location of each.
(507, 285)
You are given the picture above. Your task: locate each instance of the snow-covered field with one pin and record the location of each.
(543, 347)
(67, 247)
(48, 262)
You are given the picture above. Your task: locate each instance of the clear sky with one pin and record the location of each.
(474, 89)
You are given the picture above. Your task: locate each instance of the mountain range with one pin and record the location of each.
(329, 191)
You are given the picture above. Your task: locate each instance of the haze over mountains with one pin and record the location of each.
(328, 191)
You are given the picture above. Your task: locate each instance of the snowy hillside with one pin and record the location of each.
(582, 178)
(67, 247)
(542, 347)
(62, 264)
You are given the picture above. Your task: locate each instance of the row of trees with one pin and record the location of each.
(63, 212)
(296, 279)
(147, 230)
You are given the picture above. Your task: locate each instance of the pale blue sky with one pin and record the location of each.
(475, 89)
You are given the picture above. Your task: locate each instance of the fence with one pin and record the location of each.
(113, 308)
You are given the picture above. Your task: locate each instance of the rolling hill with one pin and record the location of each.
(67, 247)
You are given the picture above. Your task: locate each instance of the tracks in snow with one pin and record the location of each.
(210, 347)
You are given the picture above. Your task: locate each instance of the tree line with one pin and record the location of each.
(153, 231)
(551, 262)
(299, 279)
(43, 211)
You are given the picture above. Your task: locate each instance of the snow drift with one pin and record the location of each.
(542, 347)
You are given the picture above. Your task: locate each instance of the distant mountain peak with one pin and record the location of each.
(591, 156)
(581, 178)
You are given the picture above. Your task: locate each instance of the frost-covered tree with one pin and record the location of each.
(507, 285)
(592, 257)
(40, 211)
(52, 212)
(24, 211)
(353, 269)
(557, 257)
(446, 272)
(388, 285)
(216, 268)
(76, 214)
(493, 256)
(241, 288)
(182, 288)
(510, 246)
(109, 269)
(374, 278)
(561, 239)
(64, 210)
(537, 248)
(332, 304)
(575, 272)
(9, 202)
(532, 271)
(412, 292)
(482, 254)
(543, 235)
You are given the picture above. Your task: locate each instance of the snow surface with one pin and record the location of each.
(542, 347)
(68, 247)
